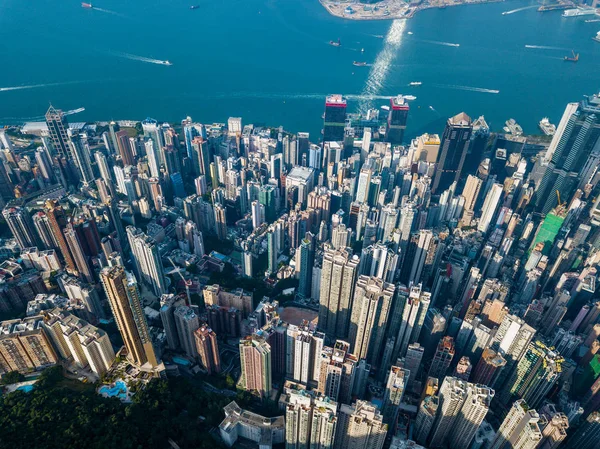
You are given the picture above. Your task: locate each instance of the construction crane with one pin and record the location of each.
(186, 282)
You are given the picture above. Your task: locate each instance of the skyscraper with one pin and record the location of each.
(21, 225)
(452, 153)
(396, 122)
(255, 360)
(147, 260)
(360, 426)
(310, 421)
(425, 418)
(335, 118)
(75, 246)
(488, 368)
(124, 298)
(187, 322)
(413, 317)
(394, 392)
(442, 358)
(338, 277)
(81, 151)
(58, 131)
(208, 349)
(220, 221)
(490, 205)
(586, 437)
(519, 429)
(305, 260)
(370, 310)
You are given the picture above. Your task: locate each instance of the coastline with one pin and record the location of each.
(388, 9)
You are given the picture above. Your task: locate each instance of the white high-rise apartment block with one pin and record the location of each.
(492, 200)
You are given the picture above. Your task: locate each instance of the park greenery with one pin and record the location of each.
(64, 413)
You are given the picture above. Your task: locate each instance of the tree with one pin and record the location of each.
(12, 377)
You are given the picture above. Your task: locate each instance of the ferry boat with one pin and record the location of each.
(575, 57)
(576, 12)
(335, 44)
(166, 62)
(597, 37)
(87, 5)
(409, 97)
(359, 63)
(547, 128)
(415, 83)
(512, 127)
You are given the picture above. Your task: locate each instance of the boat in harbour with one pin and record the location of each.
(166, 62)
(547, 128)
(597, 37)
(415, 83)
(87, 5)
(409, 97)
(575, 57)
(194, 6)
(512, 127)
(337, 43)
(359, 63)
(577, 12)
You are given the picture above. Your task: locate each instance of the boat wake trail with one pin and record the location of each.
(107, 11)
(546, 47)
(445, 44)
(34, 86)
(505, 13)
(467, 88)
(297, 96)
(139, 58)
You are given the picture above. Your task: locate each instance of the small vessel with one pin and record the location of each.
(409, 97)
(359, 63)
(167, 62)
(379, 36)
(410, 33)
(576, 12)
(575, 57)
(513, 127)
(415, 83)
(431, 107)
(87, 5)
(597, 37)
(385, 108)
(194, 6)
(592, 20)
(362, 50)
(547, 128)
(337, 43)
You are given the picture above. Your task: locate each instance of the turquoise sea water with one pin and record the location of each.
(269, 61)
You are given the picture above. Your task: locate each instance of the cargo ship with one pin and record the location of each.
(87, 5)
(575, 57)
(547, 128)
(337, 43)
(577, 12)
(359, 63)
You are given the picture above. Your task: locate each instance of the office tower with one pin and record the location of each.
(338, 372)
(412, 362)
(413, 317)
(124, 147)
(387, 223)
(187, 322)
(124, 298)
(396, 122)
(420, 252)
(535, 374)
(364, 184)
(554, 426)
(490, 205)
(220, 221)
(147, 260)
(75, 246)
(208, 349)
(272, 251)
(334, 121)
(519, 429)
(305, 260)
(571, 159)
(587, 435)
(425, 418)
(370, 310)
(338, 277)
(255, 361)
(81, 151)
(452, 153)
(394, 392)
(488, 368)
(360, 426)
(442, 358)
(21, 226)
(58, 131)
(310, 421)
(433, 330)
(45, 165)
(266, 197)
(513, 337)
(168, 304)
(471, 192)
(462, 408)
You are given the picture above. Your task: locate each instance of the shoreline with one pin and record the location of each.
(401, 11)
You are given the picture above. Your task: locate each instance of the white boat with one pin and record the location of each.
(410, 32)
(547, 128)
(597, 37)
(166, 62)
(576, 12)
(415, 83)
(409, 97)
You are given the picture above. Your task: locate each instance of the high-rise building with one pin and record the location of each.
(462, 408)
(339, 373)
(519, 429)
(412, 362)
(554, 425)
(305, 260)
(168, 304)
(370, 310)
(334, 121)
(490, 205)
(419, 257)
(147, 260)
(220, 221)
(75, 246)
(187, 322)
(338, 277)
(587, 435)
(452, 153)
(442, 358)
(413, 316)
(255, 360)
(310, 421)
(80, 149)
(488, 368)
(303, 353)
(394, 392)
(58, 131)
(124, 147)
(208, 349)
(571, 160)
(425, 418)
(360, 426)
(124, 298)
(21, 225)
(396, 122)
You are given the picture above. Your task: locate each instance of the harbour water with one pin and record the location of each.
(269, 61)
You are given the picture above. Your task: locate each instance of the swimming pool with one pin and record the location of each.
(181, 361)
(26, 388)
(119, 389)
